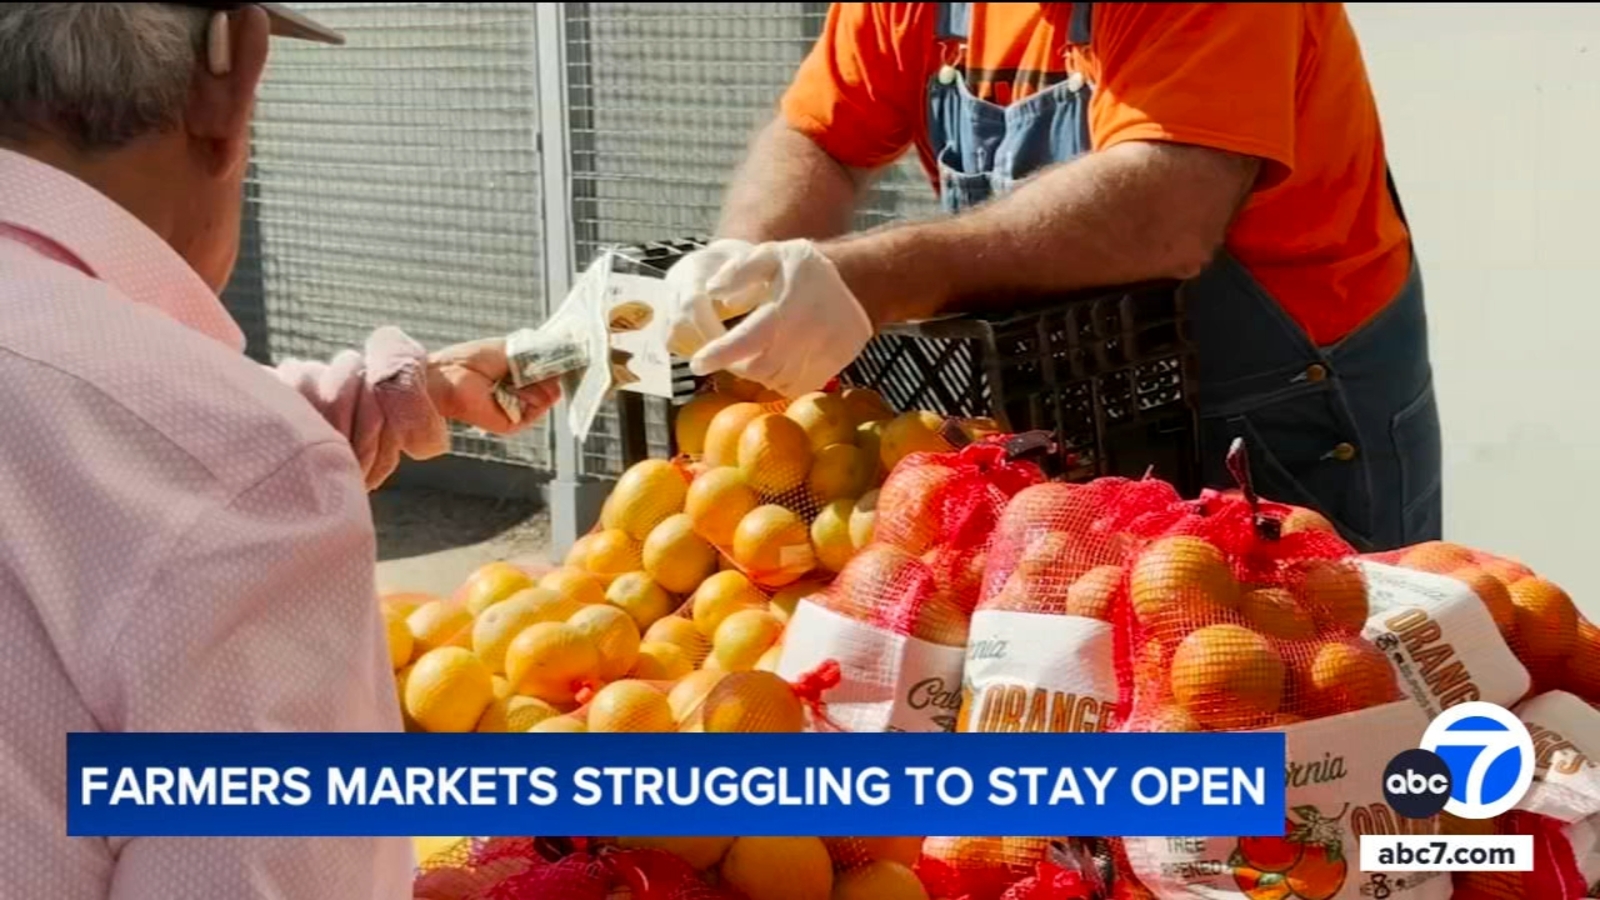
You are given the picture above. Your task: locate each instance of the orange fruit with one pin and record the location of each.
(614, 552)
(881, 880)
(439, 623)
(909, 505)
(774, 454)
(1495, 595)
(825, 418)
(1346, 676)
(575, 584)
(908, 433)
(752, 702)
(1509, 571)
(1227, 677)
(1547, 623)
(645, 495)
(1437, 557)
(552, 661)
(720, 596)
(877, 575)
(717, 501)
(853, 852)
(1583, 666)
(773, 545)
(1335, 592)
(1182, 578)
(447, 690)
(779, 868)
(493, 583)
(1275, 612)
(1054, 554)
(676, 557)
(1301, 519)
(866, 405)
(841, 471)
(722, 435)
(1092, 594)
(1170, 720)
(694, 420)
(404, 603)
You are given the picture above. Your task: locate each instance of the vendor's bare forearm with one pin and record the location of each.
(790, 188)
(1136, 212)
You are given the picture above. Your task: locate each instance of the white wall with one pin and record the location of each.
(1492, 115)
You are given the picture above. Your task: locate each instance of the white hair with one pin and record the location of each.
(96, 74)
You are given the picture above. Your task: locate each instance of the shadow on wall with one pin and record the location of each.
(414, 521)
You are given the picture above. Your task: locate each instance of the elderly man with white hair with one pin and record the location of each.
(185, 541)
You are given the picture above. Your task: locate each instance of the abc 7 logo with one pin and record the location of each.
(1476, 761)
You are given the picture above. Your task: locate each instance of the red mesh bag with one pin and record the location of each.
(1543, 644)
(1227, 623)
(1008, 868)
(1561, 810)
(1041, 644)
(896, 619)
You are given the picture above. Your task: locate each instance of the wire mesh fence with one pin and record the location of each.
(396, 180)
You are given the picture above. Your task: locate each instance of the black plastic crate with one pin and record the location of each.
(1110, 372)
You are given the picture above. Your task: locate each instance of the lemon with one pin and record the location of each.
(400, 640)
(515, 714)
(613, 633)
(661, 662)
(578, 556)
(753, 864)
(439, 623)
(577, 585)
(676, 557)
(743, 637)
(552, 661)
(613, 553)
(719, 595)
(841, 470)
(498, 625)
(680, 630)
(700, 852)
(630, 706)
(645, 495)
(783, 602)
(717, 501)
(694, 419)
(492, 584)
(502, 687)
(864, 519)
(770, 660)
(638, 595)
(830, 535)
(403, 603)
(448, 690)
(773, 546)
(686, 696)
(825, 418)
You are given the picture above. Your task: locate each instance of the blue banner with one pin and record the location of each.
(1065, 785)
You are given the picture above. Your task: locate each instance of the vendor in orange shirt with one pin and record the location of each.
(1234, 146)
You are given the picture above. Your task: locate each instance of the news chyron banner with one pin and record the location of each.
(327, 785)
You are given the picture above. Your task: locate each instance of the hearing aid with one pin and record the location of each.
(219, 46)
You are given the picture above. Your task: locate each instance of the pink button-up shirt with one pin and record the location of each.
(185, 544)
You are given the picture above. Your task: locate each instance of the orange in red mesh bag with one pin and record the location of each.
(1561, 810)
(896, 619)
(1039, 658)
(1231, 625)
(1521, 633)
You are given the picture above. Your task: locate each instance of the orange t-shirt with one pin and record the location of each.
(1283, 82)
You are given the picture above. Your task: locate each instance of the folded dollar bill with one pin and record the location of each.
(539, 354)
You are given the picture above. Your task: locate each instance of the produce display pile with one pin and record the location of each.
(827, 564)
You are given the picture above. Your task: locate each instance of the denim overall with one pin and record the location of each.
(1350, 429)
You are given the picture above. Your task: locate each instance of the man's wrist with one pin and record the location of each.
(897, 274)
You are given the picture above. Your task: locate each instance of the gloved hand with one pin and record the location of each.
(804, 325)
(696, 318)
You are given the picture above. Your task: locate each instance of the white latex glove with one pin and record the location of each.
(696, 318)
(805, 328)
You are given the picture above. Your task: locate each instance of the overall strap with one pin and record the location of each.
(954, 22)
